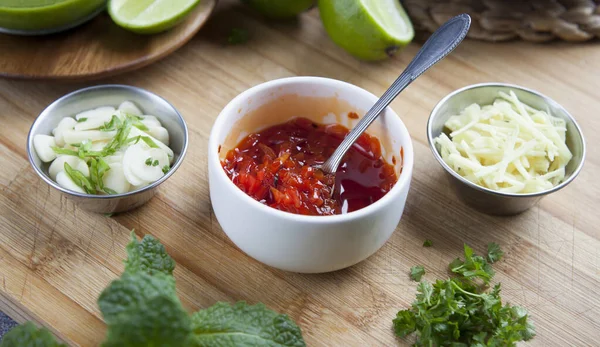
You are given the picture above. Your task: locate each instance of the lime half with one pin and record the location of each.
(367, 29)
(149, 16)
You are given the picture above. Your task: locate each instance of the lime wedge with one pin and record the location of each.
(149, 16)
(367, 29)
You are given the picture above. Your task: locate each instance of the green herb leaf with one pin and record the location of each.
(237, 36)
(29, 335)
(79, 179)
(416, 272)
(427, 243)
(81, 120)
(143, 310)
(461, 312)
(494, 252)
(148, 256)
(241, 324)
(149, 142)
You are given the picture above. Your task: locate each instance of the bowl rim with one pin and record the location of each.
(546, 100)
(138, 90)
(403, 181)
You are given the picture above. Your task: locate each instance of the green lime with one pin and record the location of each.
(280, 8)
(367, 29)
(34, 15)
(149, 16)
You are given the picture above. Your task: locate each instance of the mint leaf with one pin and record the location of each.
(148, 256)
(28, 334)
(143, 310)
(416, 272)
(241, 324)
(494, 252)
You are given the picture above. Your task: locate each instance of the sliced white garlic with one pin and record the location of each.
(99, 145)
(97, 112)
(65, 181)
(76, 163)
(66, 123)
(43, 147)
(93, 122)
(129, 107)
(115, 179)
(115, 158)
(137, 132)
(150, 121)
(160, 133)
(133, 152)
(72, 136)
(140, 168)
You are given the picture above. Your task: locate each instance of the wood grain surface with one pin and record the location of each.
(55, 259)
(96, 49)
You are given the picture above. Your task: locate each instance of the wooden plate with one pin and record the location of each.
(96, 49)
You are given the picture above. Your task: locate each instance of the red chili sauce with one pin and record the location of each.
(274, 166)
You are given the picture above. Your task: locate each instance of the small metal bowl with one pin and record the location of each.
(113, 95)
(484, 199)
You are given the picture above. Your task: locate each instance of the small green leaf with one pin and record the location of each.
(27, 335)
(427, 243)
(416, 272)
(148, 256)
(494, 252)
(237, 36)
(241, 324)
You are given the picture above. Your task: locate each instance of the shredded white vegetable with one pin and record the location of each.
(507, 146)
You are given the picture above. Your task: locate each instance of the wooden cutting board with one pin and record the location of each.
(96, 49)
(55, 258)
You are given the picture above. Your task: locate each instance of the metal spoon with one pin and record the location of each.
(439, 45)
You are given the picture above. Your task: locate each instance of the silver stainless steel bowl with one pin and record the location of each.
(484, 199)
(111, 95)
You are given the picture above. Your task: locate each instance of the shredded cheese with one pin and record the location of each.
(507, 146)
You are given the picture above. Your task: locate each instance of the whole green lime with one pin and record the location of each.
(280, 8)
(367, 29)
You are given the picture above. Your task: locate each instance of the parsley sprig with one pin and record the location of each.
(460, 311)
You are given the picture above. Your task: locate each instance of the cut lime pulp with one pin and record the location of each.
(149, 16)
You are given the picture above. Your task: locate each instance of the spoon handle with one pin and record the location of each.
(443, 41)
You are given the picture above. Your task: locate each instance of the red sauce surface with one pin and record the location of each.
(274, 167)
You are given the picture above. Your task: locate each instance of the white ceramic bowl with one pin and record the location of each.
(298, 243)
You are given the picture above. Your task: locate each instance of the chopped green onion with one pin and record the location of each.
(81, 120)
(79, 179)
(148, 161)
(155, 163)
(109, 191)
(149, 142)
(66, 151)
(114, 124)
(165, 169)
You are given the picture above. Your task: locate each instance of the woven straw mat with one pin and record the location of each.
(502, 20)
